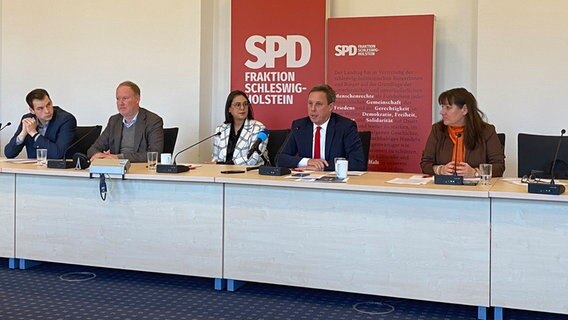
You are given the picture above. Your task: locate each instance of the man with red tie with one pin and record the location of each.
(322, 136)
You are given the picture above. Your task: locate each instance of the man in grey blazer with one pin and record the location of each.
(132, 132)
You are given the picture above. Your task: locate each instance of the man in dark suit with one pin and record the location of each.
(44, 127)
(132, 132)
(322, 136)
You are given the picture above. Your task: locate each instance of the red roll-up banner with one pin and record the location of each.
(277, 55)
(382, 71)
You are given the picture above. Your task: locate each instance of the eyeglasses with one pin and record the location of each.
(238, 105)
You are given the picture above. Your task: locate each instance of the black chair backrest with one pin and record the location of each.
(501, 137)
(366, 142)
(275, 140)
(90, 134)
(536, 153)
(170, 138)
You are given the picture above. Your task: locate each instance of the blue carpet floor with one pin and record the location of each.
(48, 292)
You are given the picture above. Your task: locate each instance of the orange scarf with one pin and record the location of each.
(453, 132)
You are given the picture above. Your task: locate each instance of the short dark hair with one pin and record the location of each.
(36, 94)
(329, 92)
(230, 97)
(132, 86)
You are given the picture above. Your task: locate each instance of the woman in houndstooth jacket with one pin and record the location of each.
(238, 133)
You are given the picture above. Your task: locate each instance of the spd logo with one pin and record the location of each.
(268, 49)
(341, 50)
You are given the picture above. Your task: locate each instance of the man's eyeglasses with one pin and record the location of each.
(238, 105)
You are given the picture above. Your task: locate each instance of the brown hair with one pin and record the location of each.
(474, 122)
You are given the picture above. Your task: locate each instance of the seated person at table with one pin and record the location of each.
(132, 132)
(462, 127)
(44, 127)
(238, 133)
(322, 136)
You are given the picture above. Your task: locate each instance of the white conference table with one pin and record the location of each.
(480, 246)
(529, 249)
(367, 236)
(149, 222)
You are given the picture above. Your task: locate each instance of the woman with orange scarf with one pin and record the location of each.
(462, 139)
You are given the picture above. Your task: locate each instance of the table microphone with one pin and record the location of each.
(6, 125)
(550, 188)
(63, 163)
(454, 178)
(260, 138)
(178, 168)
(277, 171)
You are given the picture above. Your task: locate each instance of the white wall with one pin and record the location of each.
(80, 50)
(523, 74)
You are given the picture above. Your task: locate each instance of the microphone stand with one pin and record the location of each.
(63, 163)
(549, 188)
(175, 168)
(269, 170)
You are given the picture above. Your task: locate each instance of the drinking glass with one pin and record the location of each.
(41, 156)
(485, 172)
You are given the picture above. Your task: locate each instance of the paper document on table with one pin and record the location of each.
(302, 176)
(20, 161)
(414, 180)
(333, 179)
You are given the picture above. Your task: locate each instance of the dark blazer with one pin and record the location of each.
(58, 137)
(439, 147)
(341, 140)
(149, 136)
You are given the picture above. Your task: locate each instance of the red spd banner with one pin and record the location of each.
(277, 55)
(382, 71)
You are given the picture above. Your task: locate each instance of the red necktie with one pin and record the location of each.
(317, 147)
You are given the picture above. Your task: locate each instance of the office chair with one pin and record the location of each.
(170, 138)
(536, 153)
(90, 134)
(501, 137)
(275, 140)
(366, 142)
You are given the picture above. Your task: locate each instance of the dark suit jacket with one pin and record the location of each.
(439, 147)
(341, 140)
(58, 137)
(149, 136)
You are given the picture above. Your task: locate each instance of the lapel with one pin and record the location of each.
(52, 125)
(329, 135)
(245, 136)
(307, 131)
(224, 138)
(140, 128)
(116, 135)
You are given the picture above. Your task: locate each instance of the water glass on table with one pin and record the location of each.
(41, 156)
(152, 160)
(341, 166)
(485, 173)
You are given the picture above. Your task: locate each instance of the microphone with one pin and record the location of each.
(278, 171)
(458, 136)
(260, 138)
(453, 179)
(551, 188)
(63, 163)
(6, 125)
(175, 168)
